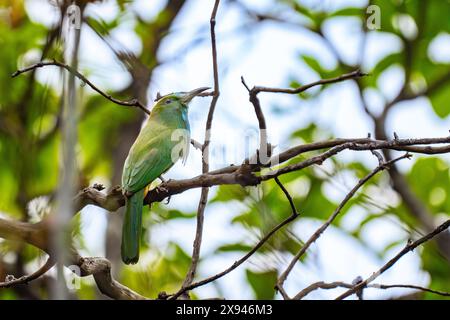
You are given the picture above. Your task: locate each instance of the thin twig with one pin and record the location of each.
(409, 247)
(336, 212)
(340, 284)
(408, 286)
(319, 159)
(409, 145)
(28, 278)
(352, 75)
(205, 156)
(132, 103)
(288, 196)
(265, 150)
(320, 285)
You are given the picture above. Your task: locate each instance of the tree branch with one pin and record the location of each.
(264, 148)
(408, 286)
(288, 196)
(131, 103)
(100, 269)
(28, 278)
(243, 174)
(37, 235)
(352, 75)
(320, 285)
(340, 284)
(409, 247)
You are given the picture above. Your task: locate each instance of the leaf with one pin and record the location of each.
(440, 101)
(234, 247)
(314, 64)
(348, 12)
(386, 62)
(227, 193)
(101, 26)
(262, 283)
(437, 267)
(430, 180)
(306, 134)
(168, 214)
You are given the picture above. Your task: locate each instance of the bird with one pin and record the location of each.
(162, 141)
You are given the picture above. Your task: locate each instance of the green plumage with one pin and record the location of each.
(131, 232)
(162, 141)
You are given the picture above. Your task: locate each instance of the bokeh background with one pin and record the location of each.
(138, 48)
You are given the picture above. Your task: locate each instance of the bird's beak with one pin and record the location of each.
(188, 96)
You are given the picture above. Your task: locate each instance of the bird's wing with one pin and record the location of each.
(146, 161)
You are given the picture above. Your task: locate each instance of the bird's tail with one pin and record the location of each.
(131, 233)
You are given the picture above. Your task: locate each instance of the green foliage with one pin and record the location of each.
(262, 283)
(430, 178)
(233, 247)
(439, 101)
(163, 273)
(30, 145)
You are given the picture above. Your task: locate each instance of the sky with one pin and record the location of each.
(267, 55)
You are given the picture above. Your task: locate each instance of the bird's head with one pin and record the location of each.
(182, 98)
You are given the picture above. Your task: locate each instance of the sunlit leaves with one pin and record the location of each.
(430, 180)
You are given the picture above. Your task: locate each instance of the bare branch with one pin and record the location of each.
(409, 145)
(340, 284)
(111, 201)
(243, 174)
(409, 247)
(320, 285)
(352, 75)
(408, 286)
(100, 269)
(132, 103)
(263, 145)
(288, 196)
(37, 235)
(28, 278)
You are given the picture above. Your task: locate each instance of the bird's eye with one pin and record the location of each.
(168, 101)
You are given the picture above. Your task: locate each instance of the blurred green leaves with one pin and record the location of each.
(30, 143)
(430, 180)
(164, 272)
(262, 283)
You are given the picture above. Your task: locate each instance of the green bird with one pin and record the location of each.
(163, 140)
